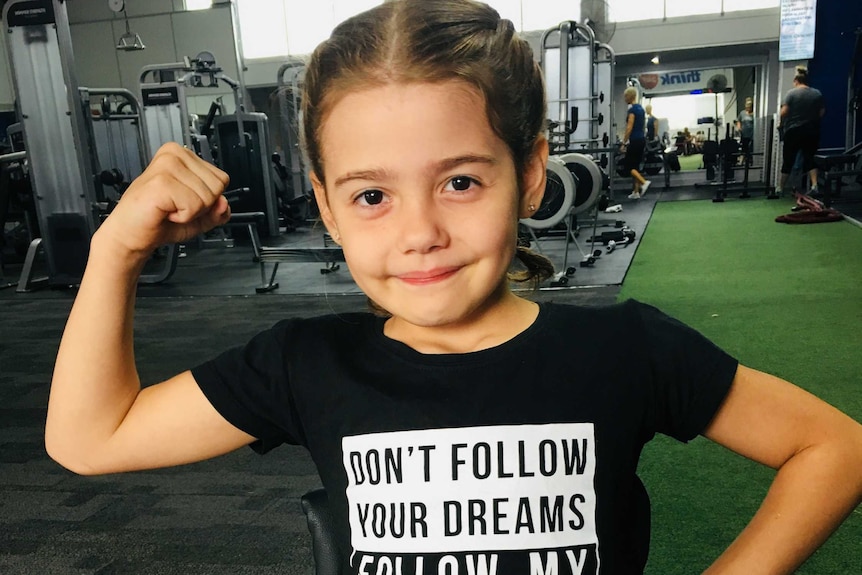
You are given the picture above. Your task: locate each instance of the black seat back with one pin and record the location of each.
(315, 505)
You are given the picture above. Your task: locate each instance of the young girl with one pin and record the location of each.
(449, 434)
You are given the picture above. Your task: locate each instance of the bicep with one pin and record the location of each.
(170, 423)
(768, 419)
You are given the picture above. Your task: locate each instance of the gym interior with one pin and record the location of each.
(89, 89)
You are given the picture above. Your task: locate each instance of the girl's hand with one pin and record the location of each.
(177, 197)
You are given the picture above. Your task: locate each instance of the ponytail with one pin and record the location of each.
(536, 268)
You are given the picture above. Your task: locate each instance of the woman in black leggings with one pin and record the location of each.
(801, 111)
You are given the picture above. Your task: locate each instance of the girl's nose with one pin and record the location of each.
(421, 225)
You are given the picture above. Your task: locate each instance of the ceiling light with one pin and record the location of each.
(655, 59)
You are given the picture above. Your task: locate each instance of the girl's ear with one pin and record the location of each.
(533, 179)
(323, 207)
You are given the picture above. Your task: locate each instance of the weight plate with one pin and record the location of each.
(588, 177)
(557, 200)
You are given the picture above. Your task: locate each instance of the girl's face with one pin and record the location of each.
(423, 197)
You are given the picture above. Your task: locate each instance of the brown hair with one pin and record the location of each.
(406, 41)
(801, 75)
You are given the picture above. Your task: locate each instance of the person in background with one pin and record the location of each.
(800, 115)
(634, 142)
(699, 139)
(688, 141)
(745, 126)
(651, 124)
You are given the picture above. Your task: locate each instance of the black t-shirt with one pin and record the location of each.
(508, 460)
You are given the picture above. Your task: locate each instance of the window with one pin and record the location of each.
(680, 8)
(737, 5)
(198, 4)
(536, 15)
(510, 10)
(310, 23)
(272, 28)
(544, 14)
(262, 28)
(631, 10)
(275, 28)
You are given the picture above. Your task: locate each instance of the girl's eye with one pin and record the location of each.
(461, 183)
(370, 197)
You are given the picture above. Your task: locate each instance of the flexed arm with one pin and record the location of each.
(99, 420)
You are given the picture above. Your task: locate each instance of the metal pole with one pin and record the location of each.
(12, 157)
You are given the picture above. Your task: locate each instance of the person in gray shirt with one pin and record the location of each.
(745, 125)
(801, 112)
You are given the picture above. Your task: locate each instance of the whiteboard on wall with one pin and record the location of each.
(796, 38)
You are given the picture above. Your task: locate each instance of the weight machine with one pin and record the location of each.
(294, 175)
(573, 184)
(728, 153)
(116, 133)
(289, 90)
(835, 168)
(40, 49)
(238, 143)
(11, 164)
(576, 104)
(61, 155)
(579, 75)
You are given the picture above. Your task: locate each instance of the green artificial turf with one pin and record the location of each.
(690, 163)
(786, 299)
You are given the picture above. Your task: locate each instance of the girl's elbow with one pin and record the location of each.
(69, 456)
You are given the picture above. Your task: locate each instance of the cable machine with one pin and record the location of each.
(65, 149)
(58, 151)
(238, 143)
(289, 80)
(579, 73)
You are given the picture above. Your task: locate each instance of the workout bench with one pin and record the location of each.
(277, 254)
(249, 221)
(835, 167)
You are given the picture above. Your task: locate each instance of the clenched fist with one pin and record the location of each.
(178, 197)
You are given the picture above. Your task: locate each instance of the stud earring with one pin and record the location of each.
(532, 207)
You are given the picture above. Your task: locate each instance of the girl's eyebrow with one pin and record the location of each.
(441, 166)
(369, 174)
(455, 161)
